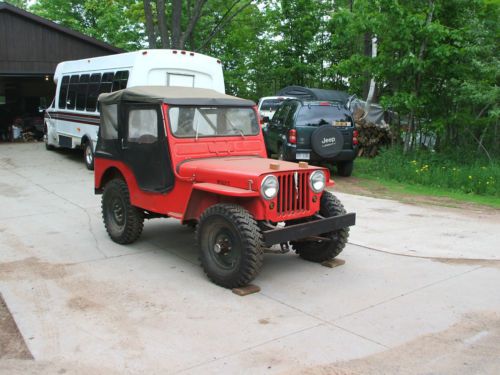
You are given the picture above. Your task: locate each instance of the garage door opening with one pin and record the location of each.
(21, 101)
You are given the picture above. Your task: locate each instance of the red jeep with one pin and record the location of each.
(198, 156)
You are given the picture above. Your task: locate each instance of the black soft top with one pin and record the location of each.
(174, 95)
(306, 93)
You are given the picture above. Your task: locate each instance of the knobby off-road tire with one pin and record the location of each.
(319, 251)
(230, 244)
(123, 221)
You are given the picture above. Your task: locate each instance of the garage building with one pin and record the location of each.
(30, 49)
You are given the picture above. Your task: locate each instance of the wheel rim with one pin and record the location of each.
(116, 212)
(88, 155)
(223, 248)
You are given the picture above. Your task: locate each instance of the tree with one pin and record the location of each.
(432, 56)
(117, 22)
(299, 34)
(183, 17)
(23, 4)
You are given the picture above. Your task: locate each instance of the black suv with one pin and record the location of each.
(316, 131)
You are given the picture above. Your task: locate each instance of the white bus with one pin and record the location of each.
(72, 120)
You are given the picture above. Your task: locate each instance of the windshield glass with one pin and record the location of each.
(271, 104)
(187, 122)
(316, 115)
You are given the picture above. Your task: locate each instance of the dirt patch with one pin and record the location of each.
(82, 304)
(12, 345)
(470, 262)
(371, 188)
(471, 346)
(7, 162)
(10, 191)
(31, 268)
(20, 367)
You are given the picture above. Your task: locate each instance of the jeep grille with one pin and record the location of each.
(293, 196)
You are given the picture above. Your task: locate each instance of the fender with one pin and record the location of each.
(225, 190)
(204, 195)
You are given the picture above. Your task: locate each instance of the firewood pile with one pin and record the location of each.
(371, 136)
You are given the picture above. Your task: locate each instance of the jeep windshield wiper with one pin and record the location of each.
(235, 128)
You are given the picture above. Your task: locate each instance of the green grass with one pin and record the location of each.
(428, 173)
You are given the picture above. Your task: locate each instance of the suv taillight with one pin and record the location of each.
(292, 136)
(355, 135)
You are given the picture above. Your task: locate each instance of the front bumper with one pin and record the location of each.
(311, 228)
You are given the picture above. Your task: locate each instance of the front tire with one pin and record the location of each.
(88, 155)
(230, 244)
(123, 221)
(319, 251)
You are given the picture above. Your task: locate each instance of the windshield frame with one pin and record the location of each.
(197, 136)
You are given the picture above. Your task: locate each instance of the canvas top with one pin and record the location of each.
(174, 95)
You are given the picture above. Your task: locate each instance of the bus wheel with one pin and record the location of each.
(88, 155)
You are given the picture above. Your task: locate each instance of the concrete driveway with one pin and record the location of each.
(419, 292)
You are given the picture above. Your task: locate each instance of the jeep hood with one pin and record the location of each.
(229, 169)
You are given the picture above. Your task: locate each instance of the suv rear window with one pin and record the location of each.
(316, 115)
(271, 104)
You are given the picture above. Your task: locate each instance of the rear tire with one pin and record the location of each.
(281, 153)
(319, 251)
(344, 168)
(123, 221)
(230, 244)
(88, 155)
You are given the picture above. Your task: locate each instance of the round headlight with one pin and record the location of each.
(317, 181)
(269, 187)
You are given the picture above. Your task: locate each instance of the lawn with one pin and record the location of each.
(431, 174)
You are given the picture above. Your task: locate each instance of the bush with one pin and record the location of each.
(437, 170)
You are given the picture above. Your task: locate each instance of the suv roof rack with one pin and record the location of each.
(306, 93)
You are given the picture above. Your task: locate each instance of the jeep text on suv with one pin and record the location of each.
(317, 131)
(198, 156)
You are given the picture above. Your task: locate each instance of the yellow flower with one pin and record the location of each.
(470, 177)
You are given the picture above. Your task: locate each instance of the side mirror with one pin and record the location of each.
(41, 109)
(266, 119)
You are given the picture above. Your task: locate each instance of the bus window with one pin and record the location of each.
(106, 82)
(81, 92)
(63, 92)
(120, 81)
(93, 93)
(73, 86)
